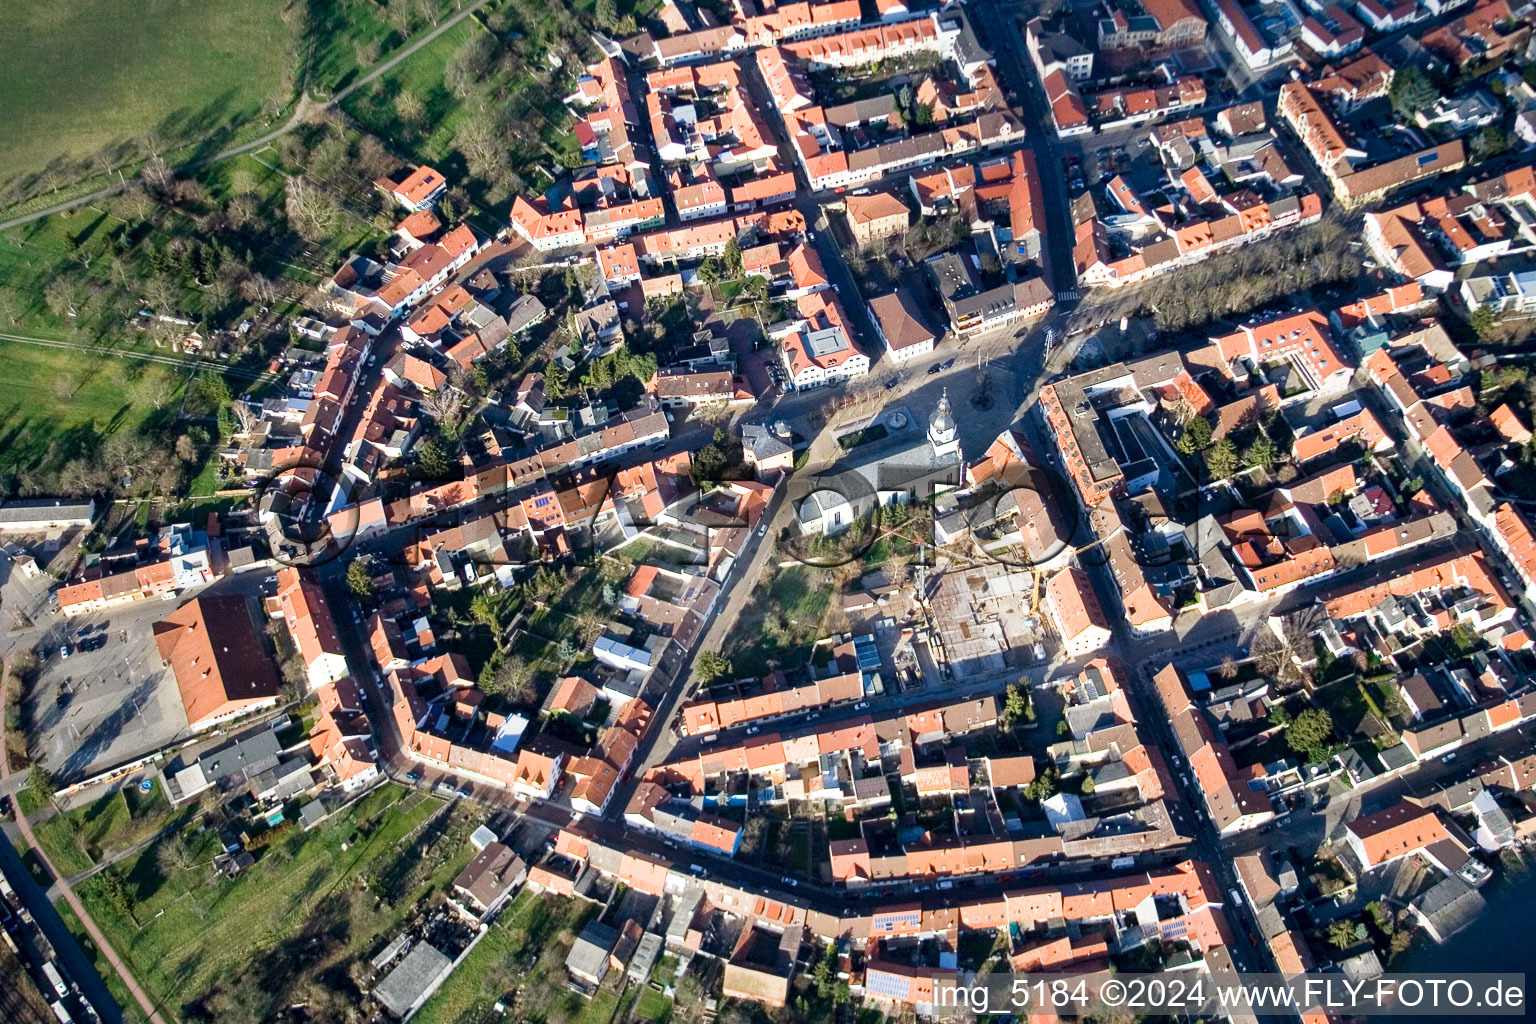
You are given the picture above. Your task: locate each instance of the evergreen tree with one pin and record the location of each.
(360, 578)
(1260, 454)
(433, 459)
(1196, 436)
(1221, 460)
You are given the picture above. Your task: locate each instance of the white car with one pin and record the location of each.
(789, 881)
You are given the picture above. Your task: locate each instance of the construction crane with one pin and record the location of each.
(1034, 601)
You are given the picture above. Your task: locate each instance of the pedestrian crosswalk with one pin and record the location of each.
(1068, 295)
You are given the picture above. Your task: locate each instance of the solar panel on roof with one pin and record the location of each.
(889, 985)
(869, 658)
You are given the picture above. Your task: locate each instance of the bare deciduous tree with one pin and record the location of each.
(312, 213)
(158, 175)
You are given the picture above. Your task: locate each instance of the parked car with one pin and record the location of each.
(413, 776)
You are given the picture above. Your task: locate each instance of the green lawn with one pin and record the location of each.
(530, 90)
(783, 624)
(80, 75)
(191, 931)
(546, 626)
(56, 405)
(422, 75)
(524, 951)
(341, 28)
(653, 1006)
(80, 838)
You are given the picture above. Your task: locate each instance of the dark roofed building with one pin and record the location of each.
(494, 872)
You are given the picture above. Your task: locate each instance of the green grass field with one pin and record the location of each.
(189, 930)
(83, 74)
(56, 404)
(80, 838)
(653, 1006)
(781, 627)
(421, 74)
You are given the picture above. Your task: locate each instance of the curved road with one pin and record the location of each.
(82, 972)
(307, 109)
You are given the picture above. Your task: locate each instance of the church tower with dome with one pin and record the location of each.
(943, 434)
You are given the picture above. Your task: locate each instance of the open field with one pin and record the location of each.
(77, 839)
(414, 111)
(84, 75)
(421, 74)
(307, 907)
(525, 951)
(782, 627)
(57, 405)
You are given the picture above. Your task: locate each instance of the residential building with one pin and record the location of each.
(898, 321)
(876, 215)
(1075, 613)
(307, 616)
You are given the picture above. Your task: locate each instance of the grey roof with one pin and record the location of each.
(288, 779)
(589, 954)
(952, 276)
(525, 312)
(867, 109)
(968, 49)
(683, 913)
(646, 954)
(763, 442)
(1450, 905)
(1112, 771)
(1062, 46)
(1091, 716)
(899, 462)
(32, 509)
(409, 982)
(253, 753)
(495, 870)
(241, 557)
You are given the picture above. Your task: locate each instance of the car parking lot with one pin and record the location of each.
(108, 699)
